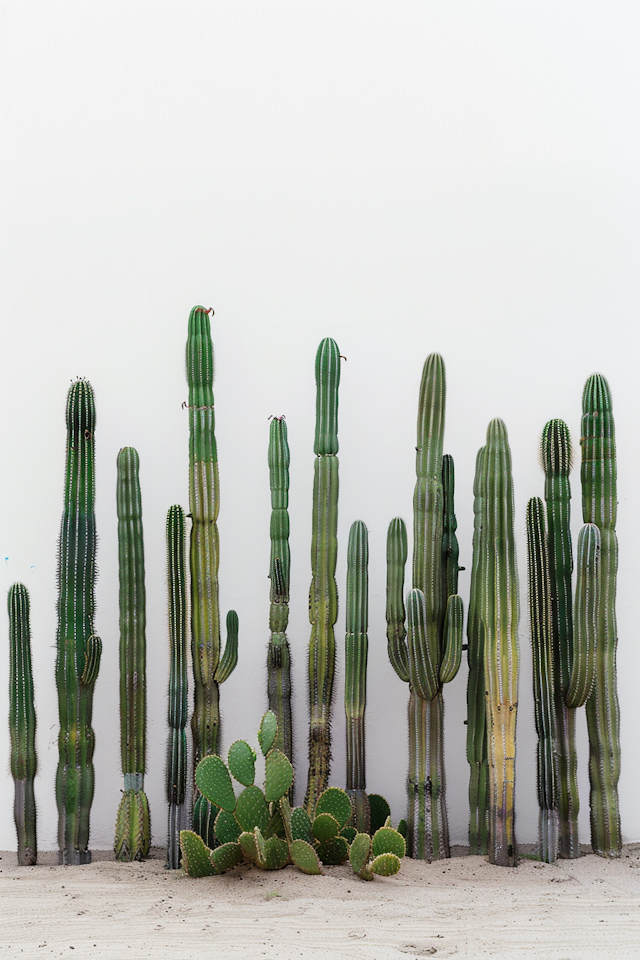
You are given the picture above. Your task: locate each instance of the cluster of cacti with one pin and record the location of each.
(427, 653)
(323, 594)
(133, 828)
(22, 723)
(176, 770)
(279, 654)
(78, 648)
(210, 668)
(355, 673)
(259, 827)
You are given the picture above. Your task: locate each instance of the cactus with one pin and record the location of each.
(428, 654)
(133, 830)
(599, 506)
(22, 724)
(355, 675)
(209, 667)
(498, 611)
(176, 770)
(476, 713)
(78, 648)
(323, 594)
(279, 654)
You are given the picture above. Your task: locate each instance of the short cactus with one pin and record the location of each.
(22, 724)
(355, 679)
(176, 770)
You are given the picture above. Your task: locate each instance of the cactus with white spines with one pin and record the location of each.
(176, 769)
(22, 724)
(355, 672)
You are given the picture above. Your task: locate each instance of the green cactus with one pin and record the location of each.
(78, 648)
(428, 654)
(22, 724)
(543, 682)
(209, 667)
(355, 674)
(176, 770)
(599, 506)
(133, 829)
(498, 612)
(279, 654)
(323, 594)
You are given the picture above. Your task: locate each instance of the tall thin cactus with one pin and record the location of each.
(22, 724)
(279, 653)
(176, 770)
(323, 593)
(78, 648)
(599, 506)
(210, 668)
(355, 672)
(429, 654)
(133, 828)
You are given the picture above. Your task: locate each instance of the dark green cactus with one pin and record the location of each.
(323, 594)
(543, 683)
(176, 771)
(599, 506)
(279, 654)
(78, 648)
(22, 724)
(133, 829)
(499, 610)
(209, 667)
(429, 654)
(355, 673)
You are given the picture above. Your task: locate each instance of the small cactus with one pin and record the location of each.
(22, 724)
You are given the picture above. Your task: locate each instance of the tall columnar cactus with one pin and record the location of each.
(323, 594)
(429, 655)
(176, 772)
(78, 648)
(355, 672)
(476, 711)
(22, 724)
(543, 684)
(499, 623)
(209, 667)
(279, 654)
(599, 506)
(133, 830)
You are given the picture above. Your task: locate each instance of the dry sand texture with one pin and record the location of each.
(462, 907)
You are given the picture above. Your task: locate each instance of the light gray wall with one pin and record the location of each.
(403, 177)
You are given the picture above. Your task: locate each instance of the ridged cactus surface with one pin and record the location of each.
(78, 648)
(22, 724)
(599, 506)
(355, 672)
(133, 830)
(176, 771)
(323, 594)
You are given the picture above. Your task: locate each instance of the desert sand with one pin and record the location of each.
(462, 907)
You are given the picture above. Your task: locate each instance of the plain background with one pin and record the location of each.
(404, 177)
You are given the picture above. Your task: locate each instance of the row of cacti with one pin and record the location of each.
(574, 655)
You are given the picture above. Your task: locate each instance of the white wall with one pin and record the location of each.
(403, 177)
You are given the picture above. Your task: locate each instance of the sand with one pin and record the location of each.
(462, 907)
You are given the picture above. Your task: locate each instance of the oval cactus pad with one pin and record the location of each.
(386, 865)
(305, 857)
(227, 856)
(336, 802)
(276, 853)
(268, 731)
(278, 775)
(227, 827)
(325, 827)
(195, 855)
(359, 851)
(379, 811)
(252, 810)
(242, 762)
(301, 825)
(388, 840)
(334, 852)
(214, 782)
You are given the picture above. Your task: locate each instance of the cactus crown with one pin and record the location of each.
(596, 396)
(327, 382)
(431, 407)
(357, 610)
(81, 411)
(555, 449)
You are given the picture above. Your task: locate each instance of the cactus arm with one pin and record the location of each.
(323, 594)
(229, 659)
(541, 616)
(599, 506)
(423, 669)
(22, 723)
(453, 629)
(450, 548)
(355, 677)
(396, 629)
(176, 768)
(587, 601)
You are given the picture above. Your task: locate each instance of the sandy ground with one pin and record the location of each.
(462, 907)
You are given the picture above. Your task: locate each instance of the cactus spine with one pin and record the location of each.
(430, 654)
(599, 506)
(476, 710)
(499, 624)
(176, 771)
(209, 667)
(22, 724)
(78, 648)
(279, 654)
(355, 673)
(323, 594)
(133, 831)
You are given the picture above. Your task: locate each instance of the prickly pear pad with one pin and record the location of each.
(305, 857)
(334, 852)
(252, 810)
(325, 827)
(195, 855)
(227, 828)
(214, 782)
(276, 853)
(225, 857)
(261, 853)
(386, 865)
(359, 851)
(242, 762)
(379, 811)
(349, 833)
(336, 802)
(387, 840)
(268, 731)
(301, 825)
(247, 844)
(278, 775)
